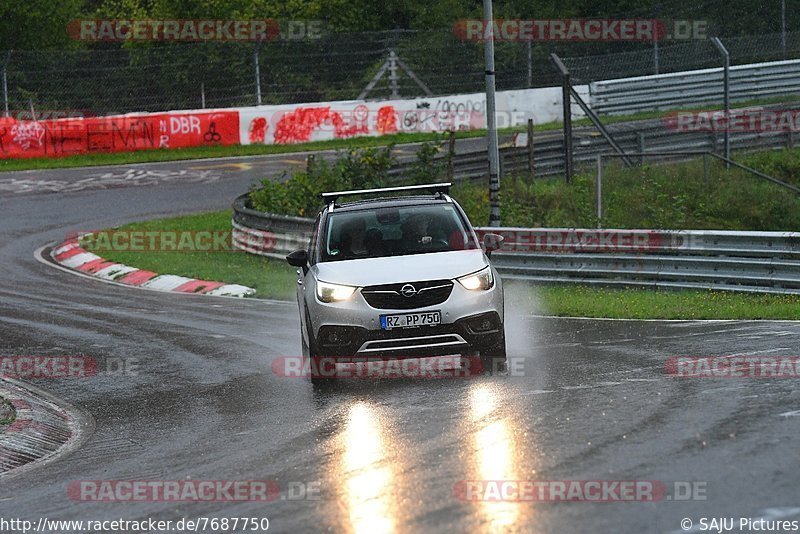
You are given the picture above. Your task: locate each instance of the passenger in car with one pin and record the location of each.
(351, 240)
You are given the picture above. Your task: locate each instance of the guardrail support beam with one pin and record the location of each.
(566, 95)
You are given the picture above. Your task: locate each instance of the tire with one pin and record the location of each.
(314, 360)
(493, 359)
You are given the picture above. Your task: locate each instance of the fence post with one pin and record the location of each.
(566, 96)
(655, 56)
(451, 154)
(531, 166)
(530, 63)
(789, 138)
(393, 74)
(705, 169)
(640, 136)
(5, 82)
(257, 70)
(309, 164)
(726, 95)
(202, 96)
(599, 191)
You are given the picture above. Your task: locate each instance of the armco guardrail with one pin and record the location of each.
(767, 262)
(632, 137)
(268, 234)
(694, 88)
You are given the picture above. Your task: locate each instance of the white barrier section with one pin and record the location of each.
(298, 123)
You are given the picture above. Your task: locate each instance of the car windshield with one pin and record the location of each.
(395, 231)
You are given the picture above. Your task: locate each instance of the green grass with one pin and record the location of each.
(203, 152)
(275, 279)
(270, 278)
(8, 408)
(672, 196)
(583, 301)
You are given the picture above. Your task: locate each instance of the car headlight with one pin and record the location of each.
(480, 281)
(333, 292)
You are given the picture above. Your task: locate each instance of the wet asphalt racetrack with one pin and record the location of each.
(592, 400)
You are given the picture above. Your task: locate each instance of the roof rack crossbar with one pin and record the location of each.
(433, 188)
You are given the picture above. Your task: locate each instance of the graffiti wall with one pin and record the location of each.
(125, 133)
(285, 124)
(299, 123)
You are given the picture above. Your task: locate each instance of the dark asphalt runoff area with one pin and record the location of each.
(584, 400)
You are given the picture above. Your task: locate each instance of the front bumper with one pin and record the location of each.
(352, 328)
(465, 335)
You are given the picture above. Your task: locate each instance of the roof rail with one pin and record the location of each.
(442, 188)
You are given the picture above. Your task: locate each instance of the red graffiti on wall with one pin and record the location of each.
(65, 137)
(258, 130)
(387, 120)
(299, 125)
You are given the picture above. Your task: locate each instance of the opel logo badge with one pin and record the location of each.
(408, 291)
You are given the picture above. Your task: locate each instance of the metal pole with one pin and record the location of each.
(5, 82)
(655, 57)
(393, 74)
(491, 119)
(257, 69)
(727, 95)
(566, 103)
(783, 27)
(451, 154)
(203, 96)
(5, 90)
(599, 191)
(530, 63)
(640, 137)
(705, 169)
(531, 166)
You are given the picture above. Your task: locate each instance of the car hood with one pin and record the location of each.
(396, 269)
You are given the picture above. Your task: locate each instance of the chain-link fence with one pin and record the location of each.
(696, 54)
(168, 76)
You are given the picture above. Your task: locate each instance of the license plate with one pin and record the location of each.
(411, 320)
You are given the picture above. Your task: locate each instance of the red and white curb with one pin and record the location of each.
(69, 254)
(44, 428)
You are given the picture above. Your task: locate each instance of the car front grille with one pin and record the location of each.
(391, 297)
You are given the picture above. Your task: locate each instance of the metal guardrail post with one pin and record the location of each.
(451, 154)
(726, 95)
(566, 95)
(599, 191)
(640, 139)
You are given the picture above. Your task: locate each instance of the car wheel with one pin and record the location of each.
(319, 366)
(494, 358)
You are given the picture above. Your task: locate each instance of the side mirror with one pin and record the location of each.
(492, 242)
(298, 258)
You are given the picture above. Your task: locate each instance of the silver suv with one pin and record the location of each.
(398, 277)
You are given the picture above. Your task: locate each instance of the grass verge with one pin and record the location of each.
(635, 303)
(275, 279)
(270, 278)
